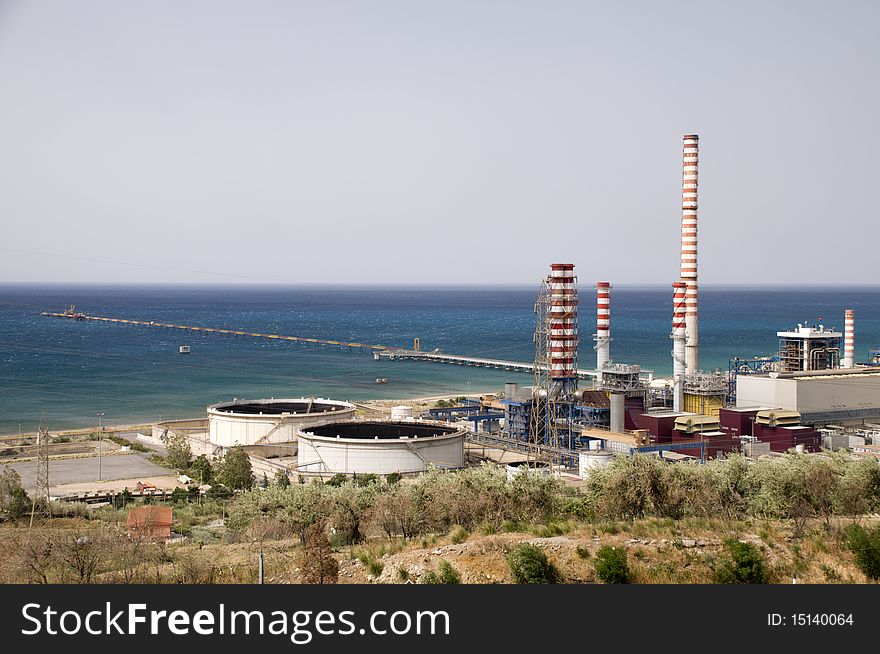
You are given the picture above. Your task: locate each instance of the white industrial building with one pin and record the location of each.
(255, 422)
(379, 447)
(841, 396)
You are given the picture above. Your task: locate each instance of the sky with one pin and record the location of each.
(475, 141)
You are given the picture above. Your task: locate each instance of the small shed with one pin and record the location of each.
(149, 522)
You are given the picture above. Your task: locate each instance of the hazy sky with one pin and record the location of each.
(444, 141)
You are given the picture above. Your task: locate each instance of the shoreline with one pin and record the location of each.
(132, 425)
(137, 424)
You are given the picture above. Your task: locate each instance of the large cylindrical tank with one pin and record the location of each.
(251, 422)
(380, 447)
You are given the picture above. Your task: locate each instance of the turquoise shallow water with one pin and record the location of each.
(72, 370)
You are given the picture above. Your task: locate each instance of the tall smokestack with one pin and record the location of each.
(563, 341)
(603, 325)
(678, 343)
(849, 340)
(689, 246)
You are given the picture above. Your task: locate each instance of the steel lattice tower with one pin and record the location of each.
(40, 504)
(556, 344)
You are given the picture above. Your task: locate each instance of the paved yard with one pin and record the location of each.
(71, 471)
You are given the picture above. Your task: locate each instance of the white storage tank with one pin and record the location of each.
(379, 447)
(401, 412)
(535, 468)
(251, 422)
(591, 460)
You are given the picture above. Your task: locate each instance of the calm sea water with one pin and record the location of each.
(72, 370)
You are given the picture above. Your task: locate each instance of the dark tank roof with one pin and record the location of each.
(381, 430)
(272, 407)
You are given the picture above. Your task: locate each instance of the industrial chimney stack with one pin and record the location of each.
(689, 247)
(678, 343)
(603, 325)
(563, 340)
(849, 340)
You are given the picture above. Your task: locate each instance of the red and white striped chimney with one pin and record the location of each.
(689, 246)
(603, 325)
(849, 340)
(679, 302)
(563, 341)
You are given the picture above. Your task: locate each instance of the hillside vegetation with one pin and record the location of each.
(638, 520)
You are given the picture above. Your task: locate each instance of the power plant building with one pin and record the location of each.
(840, 396)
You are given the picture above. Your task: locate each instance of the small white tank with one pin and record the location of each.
(401, 412)
(513, 469)
(591, 460)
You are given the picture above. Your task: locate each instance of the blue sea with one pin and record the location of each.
(69, 371)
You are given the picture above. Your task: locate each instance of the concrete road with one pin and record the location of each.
(72, 471)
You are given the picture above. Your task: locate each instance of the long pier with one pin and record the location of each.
(379, 351)
(210, 330)
(480, 362)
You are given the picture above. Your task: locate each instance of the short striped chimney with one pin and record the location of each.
(603, 325)
(689, 246)
(678, 343)
(849, 340)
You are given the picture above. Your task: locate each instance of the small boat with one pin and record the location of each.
(381, 380)
(184, 349)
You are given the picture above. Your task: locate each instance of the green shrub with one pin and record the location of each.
(201, 470)
(235, 470)
(529, 565)
(375, 567)
(744, 565)
(219, 492)
(179, 495)
(337, 480)
(446, 574)
(393, 478)
(612, 566)
(458, 535)
(14, 501)
(281, 478)
(865, 544)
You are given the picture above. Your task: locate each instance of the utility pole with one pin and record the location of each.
(100, 440)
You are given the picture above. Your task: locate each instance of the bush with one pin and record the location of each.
(458, 535)
(337, 480)
(201, 470)
(317, 563)
(529, 565)
(612, 566)
(393, 478)
(179, 495)
(219, 492)
(446, 575)
(235, 470)
(281, 479)
(865, 544)
(745, 565)
(14, 502)
(179, 451)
